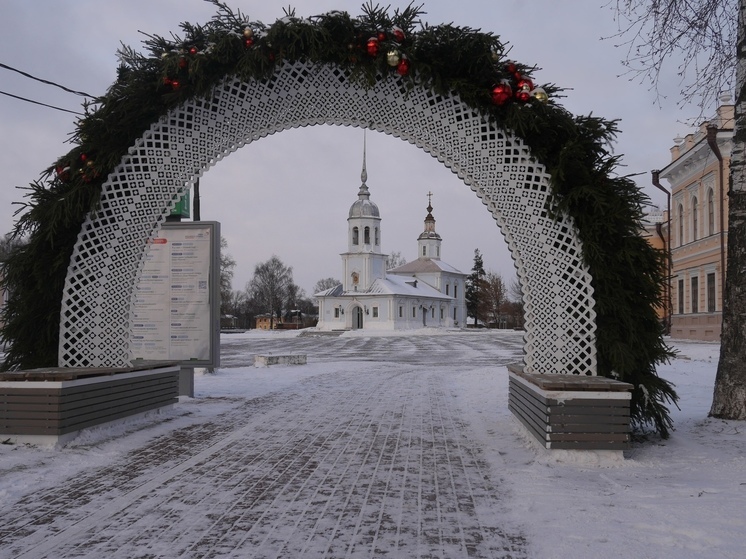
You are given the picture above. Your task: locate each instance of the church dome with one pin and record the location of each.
(363, 207)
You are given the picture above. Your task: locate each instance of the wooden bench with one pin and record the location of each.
(571, 412)
(51, 405)
(268, 360)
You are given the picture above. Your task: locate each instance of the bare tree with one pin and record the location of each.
(8, 244)
(269, 286)
(494, 296)
(710, 35)
(325, 283)
(394, 260)
(226, 277)
(699, 36)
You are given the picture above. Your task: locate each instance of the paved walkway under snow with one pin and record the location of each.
(377, 463)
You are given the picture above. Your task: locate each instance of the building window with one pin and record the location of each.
(711, 293)
(681, 225)
(432, 312)
(454, 315)
(437, 252)
(367, 235)
(448, 288)
(442, 313)
(424, 251)
(681, 296)
(378, 238)
(455, 291)
(695, 219)
(710, 212)
(355, 236)
(375, 312)
(695, 294)
(401, 311)
(336, 312)
(414, 312)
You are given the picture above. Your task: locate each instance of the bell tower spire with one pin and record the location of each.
(428, 243)
(363, 262)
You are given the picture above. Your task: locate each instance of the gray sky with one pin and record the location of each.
(281, 183)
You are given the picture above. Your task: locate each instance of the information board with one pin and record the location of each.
(176, 311)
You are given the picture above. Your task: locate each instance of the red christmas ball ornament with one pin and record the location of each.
(403, 67)
(193, 50)
(501, 93)
(175, 84)
(372, 46)
(524, 83)
(511, 68)
(83, 157)
(523, 89)
(399, 35)
(248, 42)
(381, 36)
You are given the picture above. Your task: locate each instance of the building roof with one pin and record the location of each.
(423, 266)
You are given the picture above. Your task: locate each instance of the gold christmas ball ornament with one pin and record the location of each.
(540, 95)
(393, 57)
(248, 33)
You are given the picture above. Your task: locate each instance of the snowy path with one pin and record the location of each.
(375, 462)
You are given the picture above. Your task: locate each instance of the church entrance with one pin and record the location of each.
(357, 318)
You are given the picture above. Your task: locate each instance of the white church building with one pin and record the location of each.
(424, 293)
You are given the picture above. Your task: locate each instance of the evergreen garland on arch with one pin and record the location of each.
(607, 208)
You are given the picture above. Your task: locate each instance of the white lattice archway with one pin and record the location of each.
(165, 161)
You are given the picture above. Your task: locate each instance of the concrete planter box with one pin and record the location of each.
(572, 412)
(47, 406)
(267, 360)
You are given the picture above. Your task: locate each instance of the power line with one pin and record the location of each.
(39, 103)
(81, 93)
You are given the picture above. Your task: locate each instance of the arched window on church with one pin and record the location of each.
(367, 236)
(355, 236)
(378, 238)
(424, 251)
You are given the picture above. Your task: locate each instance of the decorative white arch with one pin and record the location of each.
(162, 165)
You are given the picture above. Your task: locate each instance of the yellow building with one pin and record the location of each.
(698, 234)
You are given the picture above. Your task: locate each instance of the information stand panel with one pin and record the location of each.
(176, 309)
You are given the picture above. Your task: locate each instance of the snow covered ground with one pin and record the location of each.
(386, 445)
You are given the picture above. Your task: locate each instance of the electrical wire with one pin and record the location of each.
(39, 103)
(81, 93)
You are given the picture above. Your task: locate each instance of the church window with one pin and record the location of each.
(375, 312)
(437, 252)
(401, 311)
(336, 312)
(455, 291)
(424, 251)
(414, 312)
(448, 289)
(355, 236)
(367, 236)
(454, 315)
(378, 238)
(442, 313)
(432, 312)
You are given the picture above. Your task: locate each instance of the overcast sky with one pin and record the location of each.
(289, 194)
